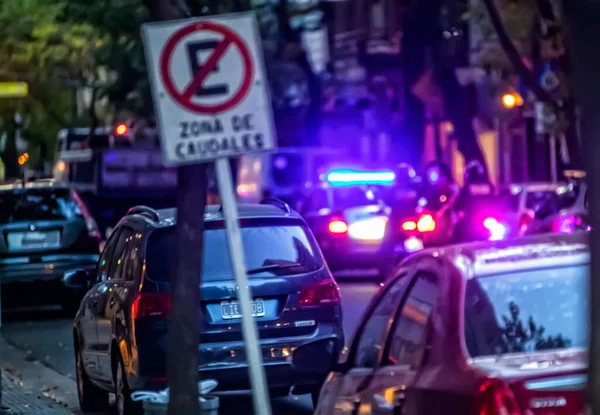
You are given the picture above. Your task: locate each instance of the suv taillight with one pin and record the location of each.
(325, 292)
(525, 221)
(151, 305)
(496, 398)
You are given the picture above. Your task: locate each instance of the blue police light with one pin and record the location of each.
(354, 177)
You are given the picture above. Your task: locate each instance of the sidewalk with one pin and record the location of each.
(17, 401)
(29, 387)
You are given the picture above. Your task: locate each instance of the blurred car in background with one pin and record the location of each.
(492, 328)
(46, 230)
(520, 202)
(565, 212)
(351, 221)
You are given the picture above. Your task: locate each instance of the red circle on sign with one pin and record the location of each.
(185, 98)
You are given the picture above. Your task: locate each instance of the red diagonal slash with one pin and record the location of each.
(207, 68)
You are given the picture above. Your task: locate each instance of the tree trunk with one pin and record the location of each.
(183, 335)
(582, 22)
(11, 166)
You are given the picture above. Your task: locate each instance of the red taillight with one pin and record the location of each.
(326, 292)
(338, 226)
(496, 398)
(409, 225)
(151, 305)
(525, 221)
(426, 223)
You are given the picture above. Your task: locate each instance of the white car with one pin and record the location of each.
(566, 213)
(520, 203)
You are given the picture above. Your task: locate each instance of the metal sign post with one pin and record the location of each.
(210, 93)
(258, 379)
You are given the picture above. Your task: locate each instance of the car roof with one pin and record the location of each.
(34, 184)
(275, 210)
(480, 259)
(536, 186)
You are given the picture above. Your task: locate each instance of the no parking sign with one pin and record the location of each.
(209, 88)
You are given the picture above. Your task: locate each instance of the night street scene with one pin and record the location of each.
(299, 207)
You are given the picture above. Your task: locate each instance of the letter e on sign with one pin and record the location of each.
(207, 70)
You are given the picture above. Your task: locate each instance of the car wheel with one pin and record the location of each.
(91, 398)
(125, 406)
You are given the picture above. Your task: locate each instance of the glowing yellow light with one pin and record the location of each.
(509, 101)
(23, 158)
(61, 166)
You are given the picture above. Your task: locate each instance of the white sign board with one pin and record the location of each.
(209, 87)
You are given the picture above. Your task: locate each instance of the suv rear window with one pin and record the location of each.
(267, 244)
(33, 204)
(350, 197)
(527, 311)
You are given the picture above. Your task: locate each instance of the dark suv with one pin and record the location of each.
(45, 230)
(121, 327)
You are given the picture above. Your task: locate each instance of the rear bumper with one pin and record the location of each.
(38, 284)
(227, 363)
(357, 255)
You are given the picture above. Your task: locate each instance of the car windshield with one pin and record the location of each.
(349, 197)
(535, 200)
(527, 311)
(269, 249)
(563, 198)
(27, 204)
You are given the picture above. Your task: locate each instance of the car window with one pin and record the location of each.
(118, 255)
(565, 197)
(318, 200)
(510, 201)
(349, 197)
(371, 336)
(535, 200)
(132, 258)
(527, 311)
(29, 204)
(105, 257)
(281, 247)
(407, 341)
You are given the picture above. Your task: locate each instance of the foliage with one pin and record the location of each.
(519, 19)
(518, 338)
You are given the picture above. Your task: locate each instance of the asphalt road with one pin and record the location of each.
(47, 338)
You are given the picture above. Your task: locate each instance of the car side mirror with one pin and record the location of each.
(78, 279)
(319, 356)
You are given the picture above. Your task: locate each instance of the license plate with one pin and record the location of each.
(233, 309)
(33, 240)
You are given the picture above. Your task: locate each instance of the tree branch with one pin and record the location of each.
(515, 58)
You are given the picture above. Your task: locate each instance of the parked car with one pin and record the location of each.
(489, 327)
(46, 230)
(567, 212)
(520, 202)
(120, 329)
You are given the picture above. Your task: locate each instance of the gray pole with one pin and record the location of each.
(582, 18)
